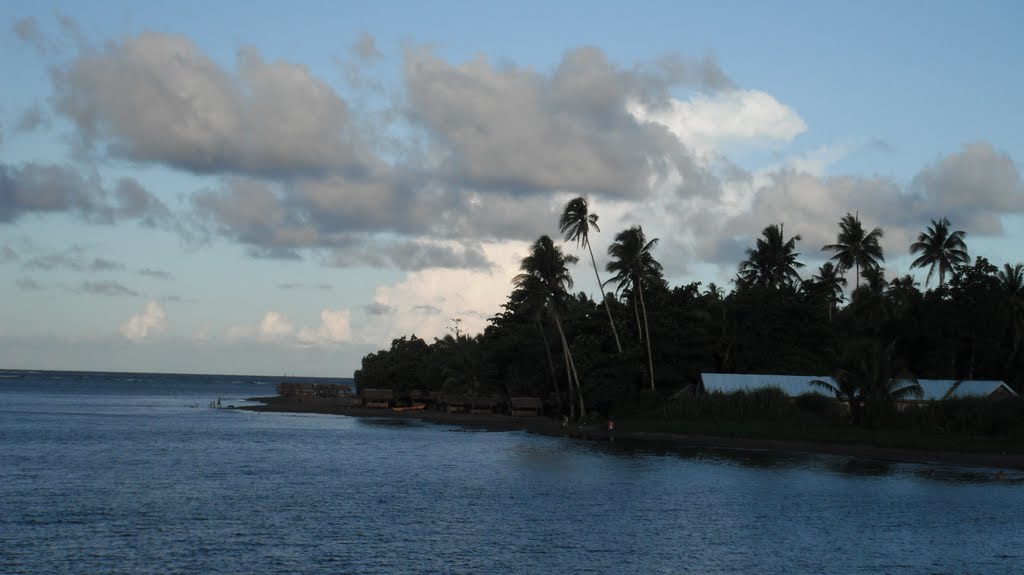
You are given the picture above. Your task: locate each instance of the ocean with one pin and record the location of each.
(135, 473)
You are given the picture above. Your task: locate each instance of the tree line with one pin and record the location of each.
(646, 339)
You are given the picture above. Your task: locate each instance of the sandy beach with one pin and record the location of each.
(553, 427)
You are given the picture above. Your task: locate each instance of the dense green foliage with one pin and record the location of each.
(548, 342)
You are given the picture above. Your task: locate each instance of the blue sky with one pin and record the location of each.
(260, 188)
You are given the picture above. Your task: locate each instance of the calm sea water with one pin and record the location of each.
(115, 473)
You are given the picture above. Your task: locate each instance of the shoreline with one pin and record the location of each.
(543, 425)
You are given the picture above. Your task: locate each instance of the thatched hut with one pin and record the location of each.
(525, 406)
(378, 398)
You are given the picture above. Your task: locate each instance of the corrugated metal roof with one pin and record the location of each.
(794, 385)
(791, 385)
(935, 389)
(978, 388)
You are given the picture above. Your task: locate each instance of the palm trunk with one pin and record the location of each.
(647, 334)
(639, 326)
(551, 365)
(572, 366)
(607, 307)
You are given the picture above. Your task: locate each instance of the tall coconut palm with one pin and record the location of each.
(939, 248)
(576, 223)
(530, 299)
(633, 265)
(772, 262)
(545, 270)
(854, 248)
(831, 284)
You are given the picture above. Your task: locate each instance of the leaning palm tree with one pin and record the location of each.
(831, 284)
(530, 299)
(854, 248)
(772, 262)
(545, 270)
(633, 264)
(575, 223)
(939, 248)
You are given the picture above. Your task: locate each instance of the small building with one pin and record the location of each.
(940, 389)
(452, 403)
(525, 406)
(483, 405)
(378, 398)
(791, 385)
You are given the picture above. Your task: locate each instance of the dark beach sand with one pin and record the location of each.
(550, 426)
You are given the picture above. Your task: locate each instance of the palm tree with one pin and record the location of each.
(545, 271)
(831, 284)
(772, 263)
(531, 300)
(1011, 280)
(576, 223)
(633, 264)
(868, 378)
(939, 248)
(854, 248)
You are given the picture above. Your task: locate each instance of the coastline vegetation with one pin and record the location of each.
(637, 355)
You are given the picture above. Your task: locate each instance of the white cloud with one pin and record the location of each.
(274, 325)
(707, 122)
(149, 322)
(471, 295)
(335, 327)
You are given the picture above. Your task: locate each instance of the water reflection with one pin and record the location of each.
(786, 460)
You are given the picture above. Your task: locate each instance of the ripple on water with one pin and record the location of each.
(161, 489)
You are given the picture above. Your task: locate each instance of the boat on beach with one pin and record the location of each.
(413, 407)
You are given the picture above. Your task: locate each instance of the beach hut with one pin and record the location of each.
(791, 385)
(453, 403)
(483, 405)
(525, 406)
(378, 398)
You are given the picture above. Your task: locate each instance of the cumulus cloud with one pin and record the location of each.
(274, 325)
(158, 98)
(435, 296)
(335, 327)
(707, 122)
(146, 324)
(48, 188)
(515, 129)
(502, 147)
(977, 186)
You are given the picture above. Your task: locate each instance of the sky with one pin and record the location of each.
(280, 189)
